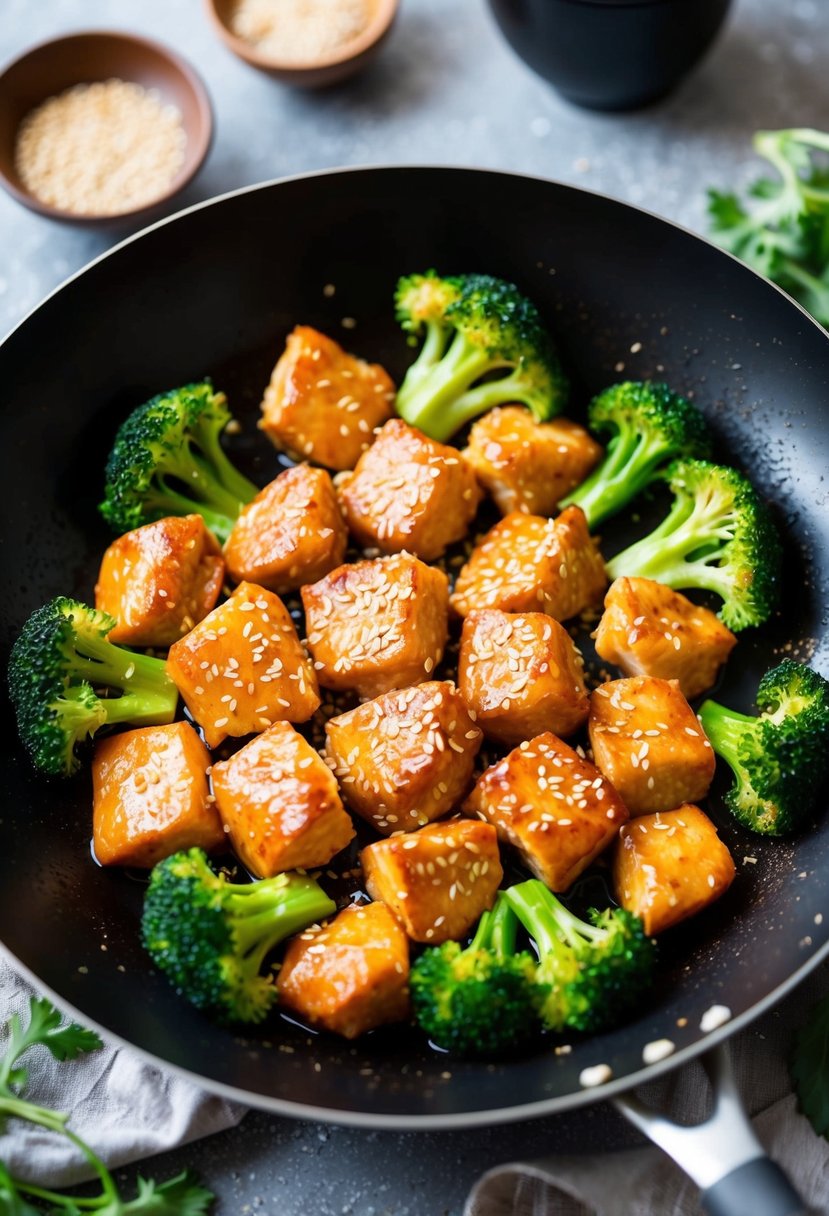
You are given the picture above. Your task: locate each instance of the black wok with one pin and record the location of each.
(215, 291)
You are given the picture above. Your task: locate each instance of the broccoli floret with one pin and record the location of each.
(474, 326)
(63, 673)
(481, 1000)
(718, 536)
(210, 936)
(593, 971)
(167, 460)
(649, 425)
(779, 759)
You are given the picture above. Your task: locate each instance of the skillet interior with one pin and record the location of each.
(215, 291)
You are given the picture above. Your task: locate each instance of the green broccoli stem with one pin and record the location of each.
(547, 920)
(193, 471)
(149, 695)
(437, 401)
(727, 731)
(163, 499)
(206, 434)
(434, 347)
(662, 554)
(431, 352)
(626, 470)
(497, 930)
(266, 912)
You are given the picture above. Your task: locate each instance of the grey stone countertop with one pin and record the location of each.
(445, 90)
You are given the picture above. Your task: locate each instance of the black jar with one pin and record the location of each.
(611, 54)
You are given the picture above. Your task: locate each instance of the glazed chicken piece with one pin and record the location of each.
(648, 742)
(377, 625)
(550, 804)
(160, 580)
(437, 881)
(409, 492)
(530, 564)
(521, 675)
(406, 757)
(243, 667)
(350, 975)
(280, 804)
(150, 796)
(291, 534)
(649, 630)
(323, 404)
(527, 465)
(669, 866)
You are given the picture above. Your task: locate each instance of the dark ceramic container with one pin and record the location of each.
(611, 54)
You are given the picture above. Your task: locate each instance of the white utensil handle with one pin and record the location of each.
(722, 1155)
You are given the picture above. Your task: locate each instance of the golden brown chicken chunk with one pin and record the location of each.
(529, 564)
(649, 630)
(376, 625)
(669, 866)
(243, 667)
(527, 465)
(323, 404)
(280, 804)
(291, 534)
(406, 757)
(552, 805)
(409, 492)
(160, 580)
(437, 881)
(648, 742)
(350, 975)
(150, 796)
(521, 674)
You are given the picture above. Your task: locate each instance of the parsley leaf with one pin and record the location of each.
(781, 229)
(180, 1196)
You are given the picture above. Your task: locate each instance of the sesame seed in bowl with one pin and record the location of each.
(306, 43)
(101, 127)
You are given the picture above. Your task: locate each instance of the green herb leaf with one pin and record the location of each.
(810, 1067)
(65, 1042)
(181, 1196)
(12, 1202)
(725, 210)
(781, 229)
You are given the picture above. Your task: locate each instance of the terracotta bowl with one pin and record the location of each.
(316, 73)
(51, 67)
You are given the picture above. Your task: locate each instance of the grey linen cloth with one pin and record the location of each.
(645, 1182)
(125, 1108)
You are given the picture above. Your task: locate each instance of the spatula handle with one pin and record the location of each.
(722, 1154)
(758, 1188)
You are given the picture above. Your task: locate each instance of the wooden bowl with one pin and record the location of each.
(316, 73)
(51, 67)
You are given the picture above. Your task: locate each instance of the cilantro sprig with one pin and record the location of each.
(781, 229)
(180, 1196)
(810, 1067)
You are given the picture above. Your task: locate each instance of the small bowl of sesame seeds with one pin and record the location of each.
(101, 127)
(309, 43)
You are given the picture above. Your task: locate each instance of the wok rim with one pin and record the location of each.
(402, 167)
(460, 1120)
